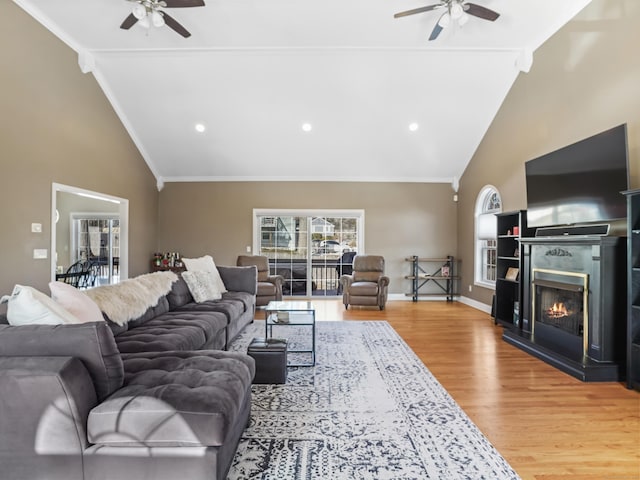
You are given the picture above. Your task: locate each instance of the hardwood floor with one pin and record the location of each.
(548, 425)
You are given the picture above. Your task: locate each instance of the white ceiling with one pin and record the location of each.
(254, 71)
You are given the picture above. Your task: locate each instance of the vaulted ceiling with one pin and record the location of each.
(253, 72)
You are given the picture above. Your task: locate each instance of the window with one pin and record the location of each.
(488, 204)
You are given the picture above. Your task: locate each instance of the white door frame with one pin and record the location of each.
(124, 223)
(309, 214)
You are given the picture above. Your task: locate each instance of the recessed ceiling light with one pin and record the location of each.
(200, 127)
(306, 127)
(413, 127)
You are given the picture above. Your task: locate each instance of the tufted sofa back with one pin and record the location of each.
(92, 343)
(179, 294)
(261, 263)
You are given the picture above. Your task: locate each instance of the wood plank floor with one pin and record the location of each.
(548, 425)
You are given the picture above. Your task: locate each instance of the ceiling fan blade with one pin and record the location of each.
(173, 24)
(184, 3)
(437, 29)
(129, 22)
(418, 10)
(480, 12)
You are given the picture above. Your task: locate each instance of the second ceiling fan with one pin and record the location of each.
(150, 12)
(456, 11)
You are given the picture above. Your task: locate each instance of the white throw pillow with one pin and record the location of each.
(76, 302)
(201, 286)
(206, 264)
(26, 305)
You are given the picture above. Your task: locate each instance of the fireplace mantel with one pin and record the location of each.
(601, 261)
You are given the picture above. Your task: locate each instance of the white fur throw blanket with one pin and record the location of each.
(129, 299)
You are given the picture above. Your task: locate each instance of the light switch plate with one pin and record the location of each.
(36, 228)
(40, 253)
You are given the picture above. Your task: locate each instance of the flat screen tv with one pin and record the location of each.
(580, 183)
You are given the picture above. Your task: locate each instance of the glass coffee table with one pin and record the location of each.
(294, 313)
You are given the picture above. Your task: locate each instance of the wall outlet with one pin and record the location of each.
(470, 288)
(248, 248)
(40, 253)
(36, 228)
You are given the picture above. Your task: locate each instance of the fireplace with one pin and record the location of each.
(560, 309)
(573, 307)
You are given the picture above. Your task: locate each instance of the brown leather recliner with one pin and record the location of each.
(368, 284)
(269, 286)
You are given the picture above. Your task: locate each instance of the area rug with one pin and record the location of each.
(369, 409)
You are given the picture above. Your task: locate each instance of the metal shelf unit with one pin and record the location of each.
(439, 272)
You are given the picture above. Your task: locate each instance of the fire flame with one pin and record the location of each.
(558, 310)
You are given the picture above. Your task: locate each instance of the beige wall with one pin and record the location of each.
(400, 219)
(584, 80)
(57, 126)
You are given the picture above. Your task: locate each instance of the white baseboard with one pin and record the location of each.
(408, 298)
(475, 304)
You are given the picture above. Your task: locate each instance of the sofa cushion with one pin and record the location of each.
(152, 312)
(259, 261)
(76, 302)
(201, 286)
(233, 308)
(240, 279)
(247, 299)
(159, 336)
(174, 399)
(179, 294)
(115, 328)
(26, 306)
(176, 331)
(241, 285)
(206, 264)
(93, 343)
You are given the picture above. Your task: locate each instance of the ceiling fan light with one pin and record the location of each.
(456, 11)
(139, 11)
(445, 20)
(144, 22)
(157, 19)
(463, 19)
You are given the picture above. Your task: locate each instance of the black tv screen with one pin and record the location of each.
(580, 183)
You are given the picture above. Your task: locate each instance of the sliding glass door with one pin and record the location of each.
(309, 248)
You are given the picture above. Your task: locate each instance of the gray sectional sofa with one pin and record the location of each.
(177, 322)
(157, 398)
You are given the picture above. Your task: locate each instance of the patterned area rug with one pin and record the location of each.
(369, 409)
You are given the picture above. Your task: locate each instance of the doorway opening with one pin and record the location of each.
(89, 227)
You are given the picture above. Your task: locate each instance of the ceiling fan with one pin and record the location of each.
(150, 12)
(456, 10)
